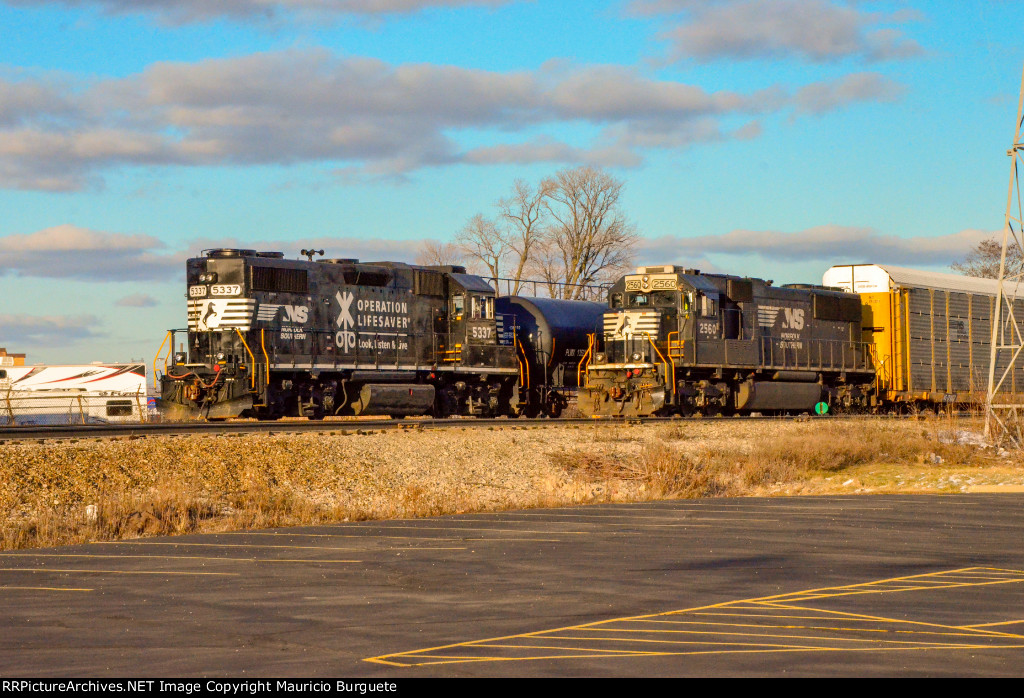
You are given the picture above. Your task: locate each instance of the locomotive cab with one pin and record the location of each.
(472, 333)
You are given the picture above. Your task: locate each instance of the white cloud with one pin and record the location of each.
(190, 11)
(835, 244)
(46, 330)
(71, 252)
(137, 300)
(365, 114)
(820, 97)
(812, 30)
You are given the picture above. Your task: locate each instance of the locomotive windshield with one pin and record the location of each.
(652, 299)
(481, 307)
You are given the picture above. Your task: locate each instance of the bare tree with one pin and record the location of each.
(983, 260)
(523, 212)
(589, 239)
(485, 242)
(438, 254)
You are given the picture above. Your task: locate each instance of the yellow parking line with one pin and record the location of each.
(784, 602)
(675, 523)
(887, 590)
(68, 571)
(989, 625)
(370, 536)
(770, 649)
(768, 615)
(456, 659)
(802, 627)
(631, 517)
(722, 633)
(569, 649)
(486, 528)
(223, 545)
(44, 588)
(882, 619)
(166, 557)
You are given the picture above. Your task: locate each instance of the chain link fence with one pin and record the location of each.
(25, 408)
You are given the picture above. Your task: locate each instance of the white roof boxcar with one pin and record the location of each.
(882, 278)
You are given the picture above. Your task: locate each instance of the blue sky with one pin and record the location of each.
(770, 138)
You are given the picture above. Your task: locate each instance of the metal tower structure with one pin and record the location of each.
(1004, 409)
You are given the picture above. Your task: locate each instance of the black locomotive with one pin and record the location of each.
(271, 337)
(678, 341)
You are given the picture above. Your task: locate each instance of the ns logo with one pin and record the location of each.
(794, 319)
(296, 313)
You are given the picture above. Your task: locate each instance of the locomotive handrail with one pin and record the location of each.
(526, 362)
(252, 362)
(169, 335)
(584, 364)
(793, 357)
(680, 343)
(521, 284)
(266, 357)
(663, 361)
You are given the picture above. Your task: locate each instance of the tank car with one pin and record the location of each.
(271, 337)
(551, 337)
(675, 340)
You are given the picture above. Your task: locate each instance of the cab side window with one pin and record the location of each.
(458, 305)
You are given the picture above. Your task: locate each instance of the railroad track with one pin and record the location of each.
(90, 431)
(87, 431)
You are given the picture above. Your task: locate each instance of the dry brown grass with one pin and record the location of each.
(681, 465)
(65, 492)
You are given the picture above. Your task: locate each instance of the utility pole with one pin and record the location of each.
(1004, 409)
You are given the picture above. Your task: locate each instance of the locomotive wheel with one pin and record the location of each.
(553, 409)
(531, 411)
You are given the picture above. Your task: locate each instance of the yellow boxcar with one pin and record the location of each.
(930, 332)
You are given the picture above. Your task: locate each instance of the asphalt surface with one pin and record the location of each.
(860, 585)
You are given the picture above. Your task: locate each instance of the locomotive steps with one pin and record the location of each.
(66, 491)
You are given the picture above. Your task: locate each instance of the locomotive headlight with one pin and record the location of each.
(600, 358)
(221, 356)
(208, 278)
(179, 358)
(637, 356)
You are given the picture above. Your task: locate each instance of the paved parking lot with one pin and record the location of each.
(859, 585)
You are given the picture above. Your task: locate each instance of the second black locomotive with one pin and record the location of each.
(678, 341)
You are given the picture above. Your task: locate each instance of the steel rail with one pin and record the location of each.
(139, 430)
